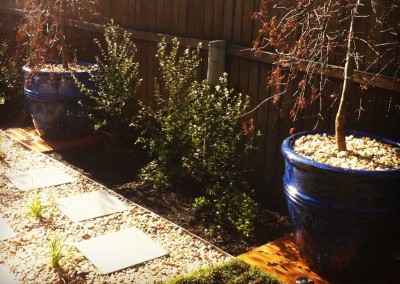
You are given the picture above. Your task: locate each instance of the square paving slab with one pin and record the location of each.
(116, 251)
(5, 276)
(6, 232)
(90, 205)
(38, 178)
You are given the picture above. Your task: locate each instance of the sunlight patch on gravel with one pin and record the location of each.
(362, 153)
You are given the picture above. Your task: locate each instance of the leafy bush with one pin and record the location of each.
(234, 271)
(192, 132)
(11, 81)
(164, 126)
(216, 160)
(114, 86)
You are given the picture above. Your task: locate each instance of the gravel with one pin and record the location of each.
(362, 153)
(26, 256)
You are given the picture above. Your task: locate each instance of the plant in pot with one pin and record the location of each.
(51, 92)
(342, 187)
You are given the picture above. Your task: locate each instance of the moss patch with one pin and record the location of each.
(235, 271)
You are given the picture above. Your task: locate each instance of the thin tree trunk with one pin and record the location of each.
(64, 48)
(340, 122)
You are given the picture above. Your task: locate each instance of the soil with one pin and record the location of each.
(119, 174)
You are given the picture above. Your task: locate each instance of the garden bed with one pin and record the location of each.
(119, 174)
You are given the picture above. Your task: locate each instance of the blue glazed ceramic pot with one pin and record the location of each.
(346, 222)
(53, 100)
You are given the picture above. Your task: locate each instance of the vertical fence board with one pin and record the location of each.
(244, 75)
(149, 15)
(337, 85)
(218, 19)
(159, 15)
(261, 123)
(174, 17)
(124, 13)
(138, 14)
(105, 8)
(255, 24)
(132, 14)
(368, 105)
(182, 17)
(247, 27)
(195, 24)
(208, 19)
(204, 64)
(272, 148)
(167, 14)
(237, 23)
(233, 70)
(229, 7)
(253, 81)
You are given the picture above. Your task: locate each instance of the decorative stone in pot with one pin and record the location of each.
(54, 101)
(346, 221)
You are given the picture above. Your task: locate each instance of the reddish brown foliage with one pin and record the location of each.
(39, 32)
(310, 35)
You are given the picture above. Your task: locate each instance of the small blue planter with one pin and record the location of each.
(346, 222)
(53, 100)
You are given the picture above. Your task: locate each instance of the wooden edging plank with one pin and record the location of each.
(29, 138)
(282, 259)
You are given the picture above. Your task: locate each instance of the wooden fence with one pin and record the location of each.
(194, 21)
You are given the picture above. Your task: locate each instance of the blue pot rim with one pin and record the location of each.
(27, 70)
(304, 162)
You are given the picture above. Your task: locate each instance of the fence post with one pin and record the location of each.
(216, 61)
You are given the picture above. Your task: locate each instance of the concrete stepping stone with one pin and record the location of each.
(39, 178)
(5, 276)
(90, 205)
(6, 232)
(115, 251)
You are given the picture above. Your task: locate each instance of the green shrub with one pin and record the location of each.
(111, 103)
(231, 272)
(163, 125)
(12, 100)
(216, 159)
(192, 132)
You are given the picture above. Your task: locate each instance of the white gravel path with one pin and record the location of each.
(26, 255)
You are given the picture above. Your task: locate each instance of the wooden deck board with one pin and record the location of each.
(31, 139)
(282, 259)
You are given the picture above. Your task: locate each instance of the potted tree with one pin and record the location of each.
(343, 198)
(52, 95)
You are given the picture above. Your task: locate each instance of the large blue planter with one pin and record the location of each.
(346, 222)
(53, 100)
